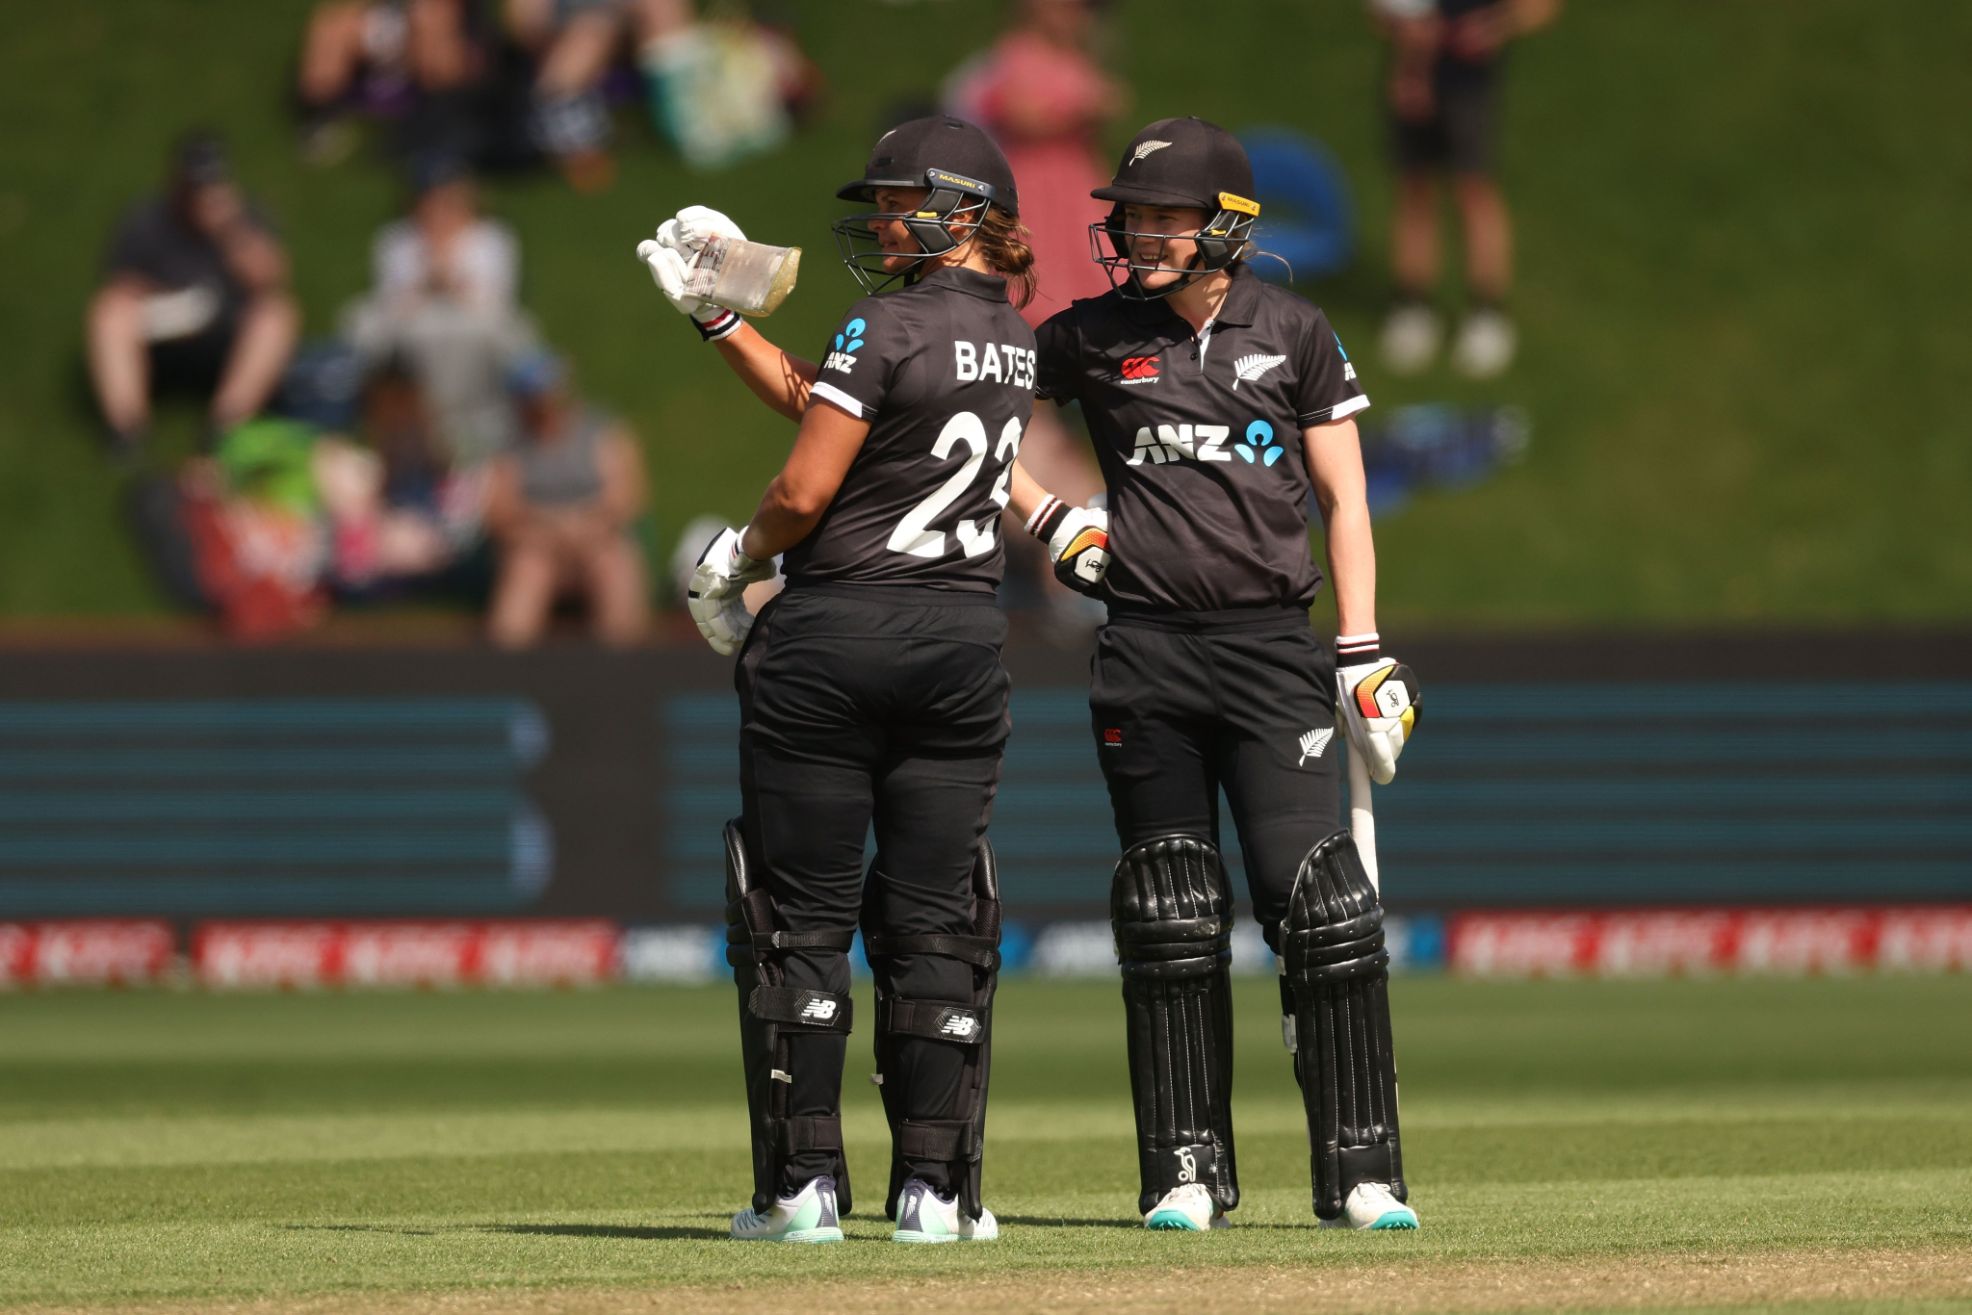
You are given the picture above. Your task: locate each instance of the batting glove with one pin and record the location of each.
(1378, 698)
(1077, 539)
(716, 595)
(669, 257)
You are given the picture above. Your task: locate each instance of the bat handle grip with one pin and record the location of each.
(1362, 815)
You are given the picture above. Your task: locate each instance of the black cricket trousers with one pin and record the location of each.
(1184, 703)
(872, 706)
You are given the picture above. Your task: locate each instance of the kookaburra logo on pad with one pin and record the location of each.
(1148, 148)
(1313, 743)
(1249, 368)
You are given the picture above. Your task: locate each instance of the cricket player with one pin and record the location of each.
(871, 689)
(1218, 405)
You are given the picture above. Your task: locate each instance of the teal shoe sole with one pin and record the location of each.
(1171, 1221)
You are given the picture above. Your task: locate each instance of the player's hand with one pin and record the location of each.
(716, 595)
(1077, 539)
(1378, 700)
(670, 253)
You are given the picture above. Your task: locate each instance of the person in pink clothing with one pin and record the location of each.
(1041, 95)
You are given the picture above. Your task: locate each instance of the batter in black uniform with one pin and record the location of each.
(871, 689)
(1218, 406)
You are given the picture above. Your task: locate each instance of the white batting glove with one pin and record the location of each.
(669, 257)
(1077, 539)
(1378, 699)
(716, 595)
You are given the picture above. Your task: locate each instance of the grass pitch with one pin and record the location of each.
(1799, 1144)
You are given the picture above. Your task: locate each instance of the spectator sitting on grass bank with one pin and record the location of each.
(444, 302)
(194, 299)
(561, 506)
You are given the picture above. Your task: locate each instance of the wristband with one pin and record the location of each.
(723, 325)
(1354, 650)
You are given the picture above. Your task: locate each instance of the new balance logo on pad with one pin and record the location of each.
(819, 1010)
(959, 1025)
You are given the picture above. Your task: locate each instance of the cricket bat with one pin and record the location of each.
(1362, 813)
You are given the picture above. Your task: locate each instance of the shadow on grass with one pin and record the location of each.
(632, 1232)
(1133, 1226)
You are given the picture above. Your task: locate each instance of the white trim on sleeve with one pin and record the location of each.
(837, 398)
(1340, 411)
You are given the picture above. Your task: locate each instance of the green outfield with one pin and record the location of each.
(1779, 1144)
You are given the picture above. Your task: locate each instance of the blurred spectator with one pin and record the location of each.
(1442, 92)
(1041, 94)
(398, 57)
(194, 298)
(561, 507)
(1043, 97)
(446, 281)
(575, 44)
(398, 513)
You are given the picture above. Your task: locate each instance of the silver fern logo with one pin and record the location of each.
(1313, 743)
(1147, 149)
(1249, 368)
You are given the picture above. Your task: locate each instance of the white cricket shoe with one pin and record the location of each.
(1485, 345)
(1411, 334)
(925, 1216)
(1188, 1209)
(1372, 1205)
(807, 1216)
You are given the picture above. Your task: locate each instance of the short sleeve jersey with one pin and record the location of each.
(1199, 437)
(943, 370)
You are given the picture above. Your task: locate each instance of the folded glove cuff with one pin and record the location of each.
(1354, 650)
(1047, 517)
(722, 323)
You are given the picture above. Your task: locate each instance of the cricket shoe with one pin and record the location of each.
(806, 1216)
(1188, 1209)
(1372, 1205)
(925, 1216)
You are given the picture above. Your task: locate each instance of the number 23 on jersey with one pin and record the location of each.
(914, 535)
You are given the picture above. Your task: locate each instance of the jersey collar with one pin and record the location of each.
(1241, 304)
(971, 282)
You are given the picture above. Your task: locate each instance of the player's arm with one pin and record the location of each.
(1077, 537)
(1335, 468)
(1376, 697)
(824, 447)
(777, 378)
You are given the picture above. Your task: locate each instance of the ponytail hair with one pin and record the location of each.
(1003, 242)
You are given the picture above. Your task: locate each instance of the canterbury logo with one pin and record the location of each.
(959, 1025)
(1249, 368)
(1313, 743)
(819, 1010)
(1147, 149)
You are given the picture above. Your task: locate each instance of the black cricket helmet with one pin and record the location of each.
(1186, 163)
(962, 172)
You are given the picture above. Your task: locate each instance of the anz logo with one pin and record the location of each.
(1158, 444)
(843, 358)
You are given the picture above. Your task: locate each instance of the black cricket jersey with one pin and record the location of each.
(943, 370)
(1199, 437)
